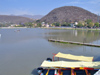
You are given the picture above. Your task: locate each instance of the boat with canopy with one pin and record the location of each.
(84, 65)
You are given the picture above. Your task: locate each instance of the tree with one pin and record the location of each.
(64, 24)
(37, 21)
(88, 21)
(96, 24)
(56, 24)
(80, 24)
(91, 24)
(29, 24)
(38, 24)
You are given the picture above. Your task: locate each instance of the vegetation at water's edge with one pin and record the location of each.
(81, 24)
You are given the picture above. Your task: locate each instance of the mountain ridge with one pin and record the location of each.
(14, 19)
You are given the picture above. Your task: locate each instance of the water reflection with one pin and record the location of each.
(86, 36)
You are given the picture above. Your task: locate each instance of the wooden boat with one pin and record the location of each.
(81, 67)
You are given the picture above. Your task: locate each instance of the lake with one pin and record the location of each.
(23, 50)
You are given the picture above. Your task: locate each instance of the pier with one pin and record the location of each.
(72, 42)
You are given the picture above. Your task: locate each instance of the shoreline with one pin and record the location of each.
(12, 27)
(65, 28)
(70, 28)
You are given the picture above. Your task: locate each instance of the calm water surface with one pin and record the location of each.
(23, 51)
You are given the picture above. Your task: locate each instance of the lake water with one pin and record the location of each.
(21, 52)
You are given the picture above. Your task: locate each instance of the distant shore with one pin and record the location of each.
(11, 27)
(71, 28)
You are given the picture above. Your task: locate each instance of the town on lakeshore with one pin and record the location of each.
(88, 24)
(78, 18)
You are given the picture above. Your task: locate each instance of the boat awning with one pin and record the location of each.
(68, 64)
(74, 57)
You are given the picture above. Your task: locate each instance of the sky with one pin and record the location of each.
(43, 7)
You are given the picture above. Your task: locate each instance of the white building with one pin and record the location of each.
(47, 25)
(76, 23)
(43, 24)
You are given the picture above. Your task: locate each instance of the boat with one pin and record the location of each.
(84, 66)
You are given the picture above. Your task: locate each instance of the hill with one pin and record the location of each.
(14, 19)
(32, 16)
(68, 14)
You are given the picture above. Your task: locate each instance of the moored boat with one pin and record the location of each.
(84, 66)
